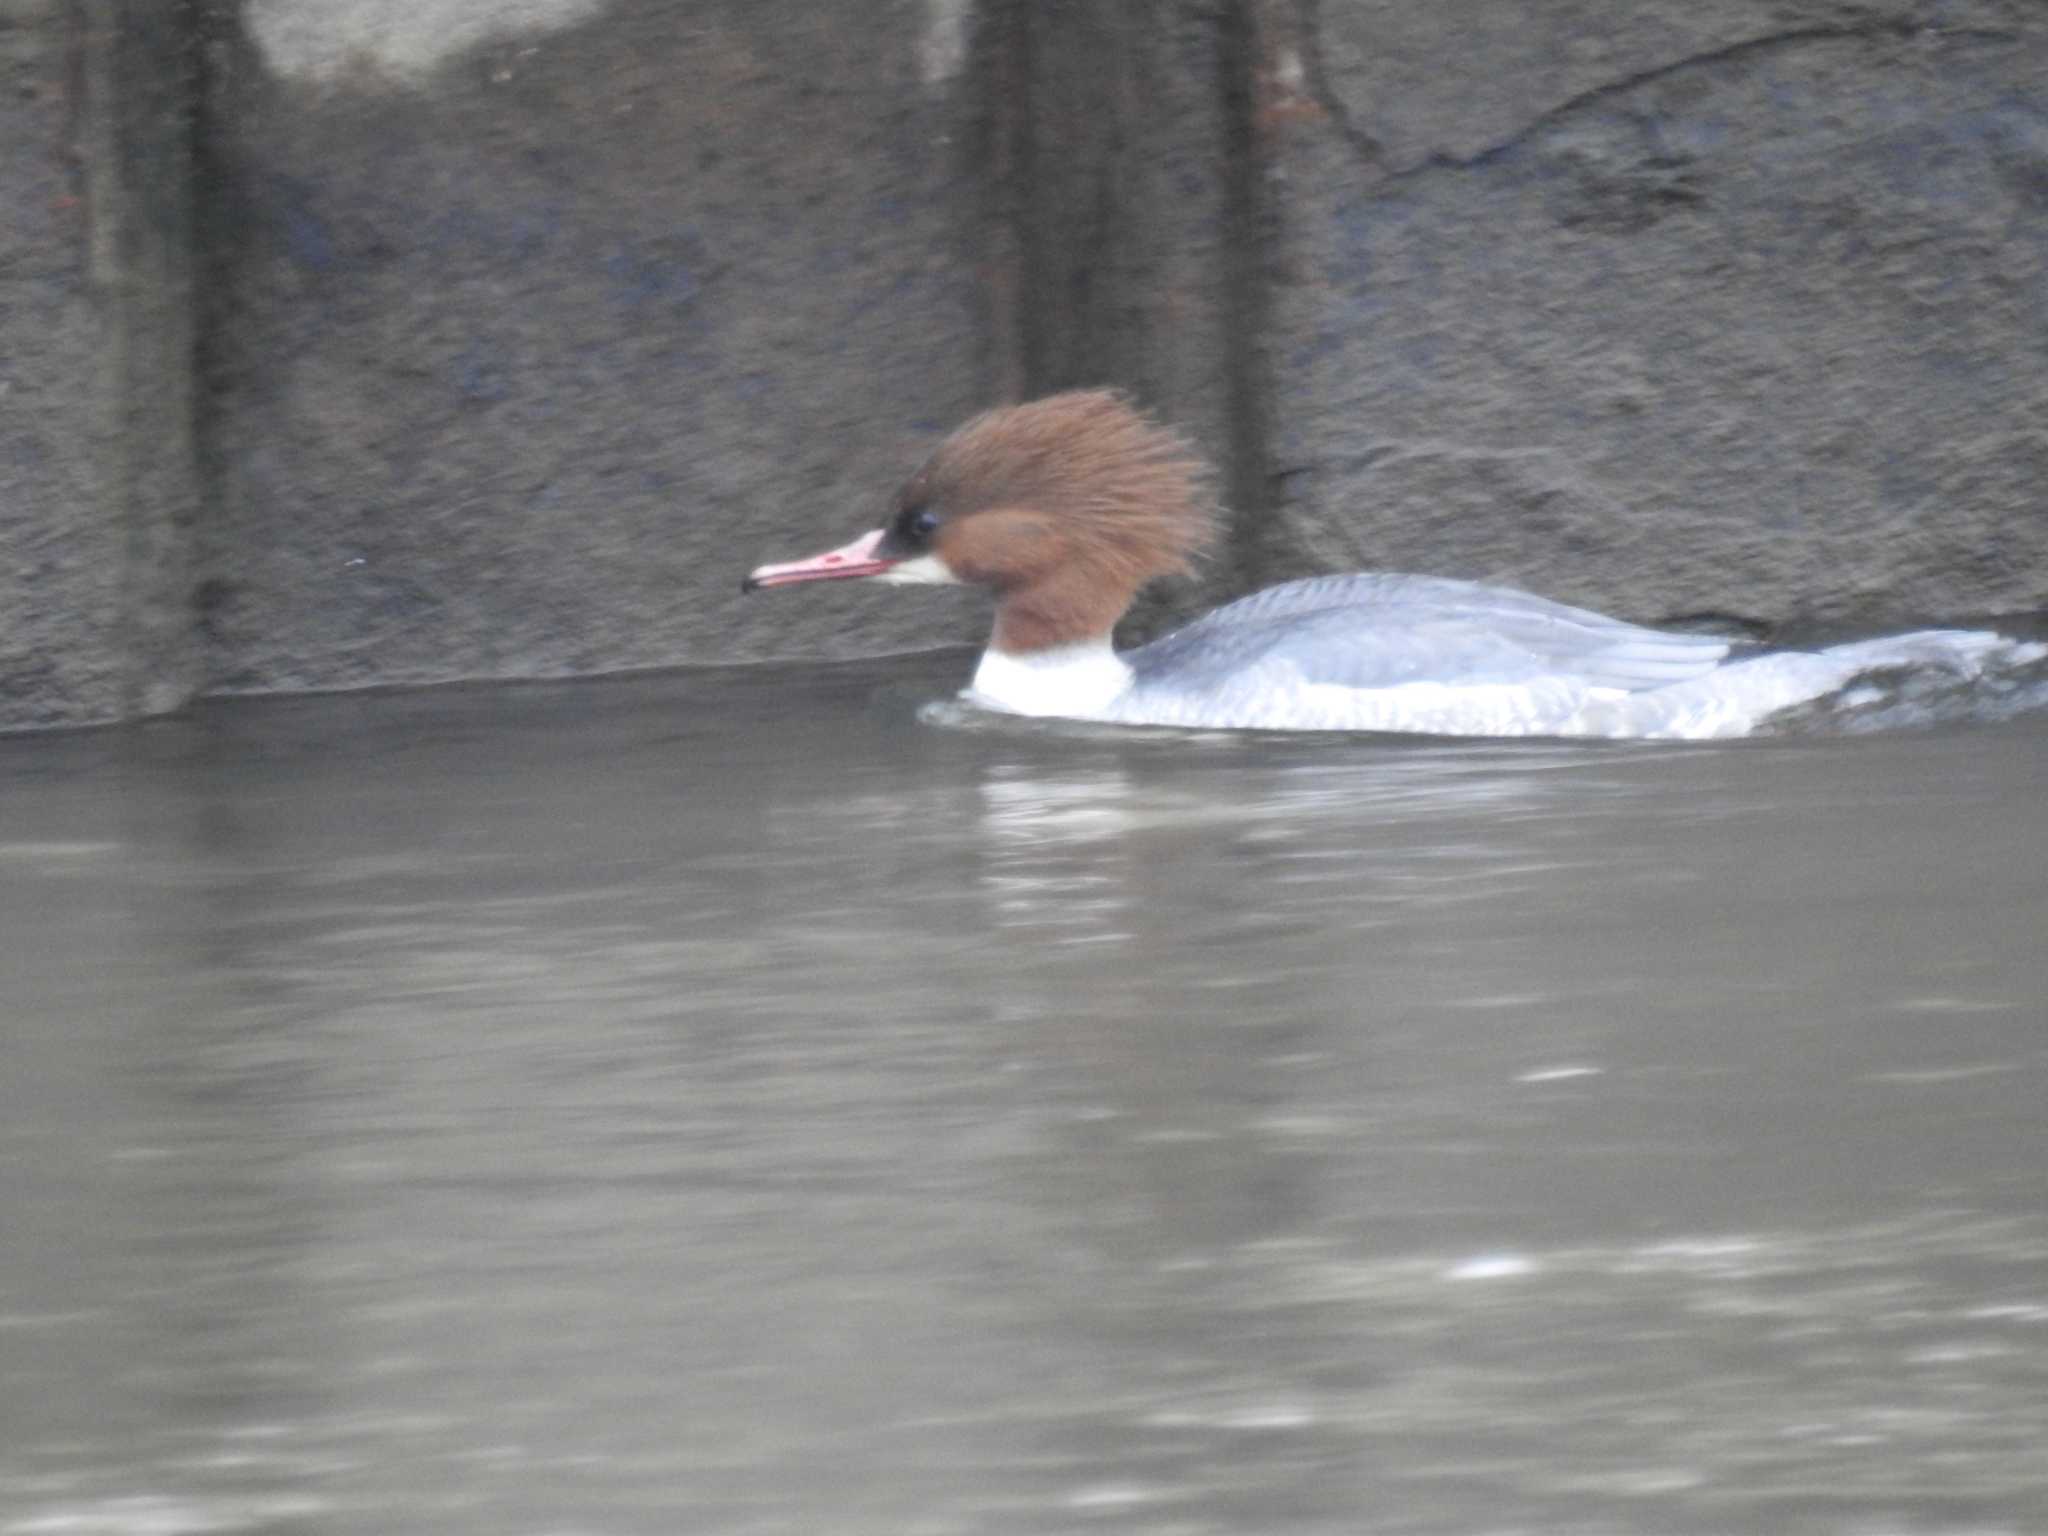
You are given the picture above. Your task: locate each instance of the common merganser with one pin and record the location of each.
(1066, 506)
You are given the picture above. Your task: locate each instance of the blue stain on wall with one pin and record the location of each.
(1325, 343)
(480, 373)
(308, 240)
(643, 277)
(516, 234)
(666, 269)
(904, 286)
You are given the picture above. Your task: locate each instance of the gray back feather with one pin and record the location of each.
(1376, 631)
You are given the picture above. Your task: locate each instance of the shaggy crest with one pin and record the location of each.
(1135, 492)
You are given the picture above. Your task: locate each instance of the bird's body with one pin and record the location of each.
(1064, 507)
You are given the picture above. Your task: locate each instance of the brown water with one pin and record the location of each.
(726, 1103)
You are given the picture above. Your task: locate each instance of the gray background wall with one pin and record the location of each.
(356, 341)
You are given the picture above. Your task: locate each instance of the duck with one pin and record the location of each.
(1066, 507)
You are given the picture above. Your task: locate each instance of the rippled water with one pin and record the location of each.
(729, 1103)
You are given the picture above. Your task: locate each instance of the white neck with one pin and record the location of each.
(1076, 681)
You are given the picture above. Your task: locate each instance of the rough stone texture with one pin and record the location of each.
(402, 39)
(1729, 308)
(96, 473)
(525, 326)
(520, 363)
(58, 568)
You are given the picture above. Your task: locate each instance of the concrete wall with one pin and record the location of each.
(1729, 307)
(522, 354)
(353, 341)
(97, 474)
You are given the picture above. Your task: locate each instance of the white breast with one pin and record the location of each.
(1079, 682)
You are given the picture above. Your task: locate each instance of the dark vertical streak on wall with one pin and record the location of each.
(131, 83)
(221, 66)
(71, 151)
(1004, 164)
(1030, 276)
(1139, 248)
(1057, 164)
(1246, 296)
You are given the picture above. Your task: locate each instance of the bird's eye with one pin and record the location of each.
(922, 523)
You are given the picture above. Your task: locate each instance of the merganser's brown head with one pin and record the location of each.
(1064, 507)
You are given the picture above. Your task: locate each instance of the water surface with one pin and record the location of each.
(727, 1102)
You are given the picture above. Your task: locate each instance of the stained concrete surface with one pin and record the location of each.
(1732, 309)
(396, 39)
(504, 335)
(519, 370)
(59, 543)
(98, 458)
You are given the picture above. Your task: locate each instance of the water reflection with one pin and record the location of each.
(1054, 865)
(546, 1111)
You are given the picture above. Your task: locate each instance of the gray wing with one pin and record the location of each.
(1376, 631)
